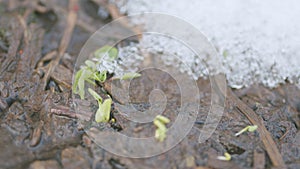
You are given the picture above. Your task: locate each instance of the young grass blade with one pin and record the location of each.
(91, 65)
(127, 76)
(95, 95)
(76, 80)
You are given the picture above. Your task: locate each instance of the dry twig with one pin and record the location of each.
(265, 136)
(71, 21)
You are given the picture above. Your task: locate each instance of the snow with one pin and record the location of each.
(258, 41)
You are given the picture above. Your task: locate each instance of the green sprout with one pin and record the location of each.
(225, 53)
(112, 52)
(160, 122)
(163, 119)
(89, 73)
(95, 95)
(226, 157)
(103, 112)
(128, 76)
(248, 128)
(91, 65)
(101, 77)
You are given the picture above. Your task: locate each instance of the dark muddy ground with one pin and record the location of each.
(39, 128)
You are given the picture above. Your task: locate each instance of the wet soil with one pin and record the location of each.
(39, 127)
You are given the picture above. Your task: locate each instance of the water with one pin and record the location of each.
(258, 41)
